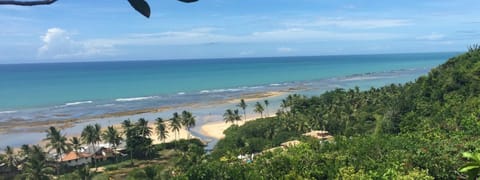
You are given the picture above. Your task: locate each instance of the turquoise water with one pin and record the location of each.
(43, 91)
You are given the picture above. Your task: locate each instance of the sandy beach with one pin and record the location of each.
(208, 124)
(215, 129)
(19, 125)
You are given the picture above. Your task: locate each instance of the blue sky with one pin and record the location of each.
(73, 30)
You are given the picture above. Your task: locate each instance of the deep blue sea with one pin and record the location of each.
(75, 90)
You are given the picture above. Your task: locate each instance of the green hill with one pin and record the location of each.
(411, 131)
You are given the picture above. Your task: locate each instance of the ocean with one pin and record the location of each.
(85, 89)
(56, 91)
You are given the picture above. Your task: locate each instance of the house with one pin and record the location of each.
(103, 154)
(321, 135)
(87, 155)
(73, 159)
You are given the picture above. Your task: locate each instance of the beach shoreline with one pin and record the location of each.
(24, 128)
(216, 129)
(20, 126)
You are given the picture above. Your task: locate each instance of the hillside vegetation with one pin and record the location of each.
(416, 130)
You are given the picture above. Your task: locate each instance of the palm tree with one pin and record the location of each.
(266, 105)
(141, 133)
(259, 109)
(243, 105)
(161, 129)
(98, 132)
(113, 137)
(284, 105)
(188, 120)
(25, 151)
(143, 128)
(127, 130)
(91, 135)
(176, 124)
(11, 159)
(126, 125)
(36, 167)
(75, 143)
(57, 142)
(229, 116)
(236, 115)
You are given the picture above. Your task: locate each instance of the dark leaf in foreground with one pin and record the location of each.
(188, 1)
(141, 6)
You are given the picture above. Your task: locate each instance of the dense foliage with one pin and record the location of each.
(417, 130)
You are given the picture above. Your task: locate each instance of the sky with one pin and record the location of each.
(111, 30)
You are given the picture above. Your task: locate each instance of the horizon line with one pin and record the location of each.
(222, 58)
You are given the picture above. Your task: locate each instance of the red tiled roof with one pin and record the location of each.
(74, 155)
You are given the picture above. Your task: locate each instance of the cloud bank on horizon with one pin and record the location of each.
(109, 30)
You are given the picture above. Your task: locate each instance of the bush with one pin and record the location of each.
(137, 174)
(181, 145)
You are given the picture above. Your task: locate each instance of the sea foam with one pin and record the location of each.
(360, 78)
(105, 105)
(78, 103)
(135, 99)
(7, 112)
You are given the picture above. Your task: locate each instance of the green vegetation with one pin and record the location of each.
(161, 129)
(36, 166)
(472, 168)
(259, 109)
(231, 116)
(32, 162)
(417, 130)
(413, 131)
(243, 106)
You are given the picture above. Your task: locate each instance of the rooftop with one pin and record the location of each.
(72, 155)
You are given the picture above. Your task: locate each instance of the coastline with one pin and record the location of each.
(25, 132)
(16, 131)
(20, 126)
(216, 129)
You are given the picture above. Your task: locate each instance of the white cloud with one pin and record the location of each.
(57, 43)
(284, 49)
(351, 23)
(432, 37)
(212, 36)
